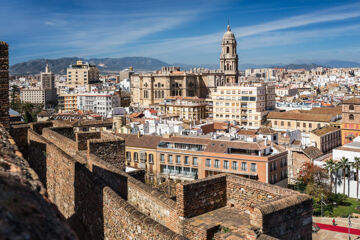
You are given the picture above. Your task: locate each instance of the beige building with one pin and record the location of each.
(243, 103)
(303, 120)
(187, 108)
(152, 88)
(81, 74)
(70, 102)
(326, 138)
(45, 94)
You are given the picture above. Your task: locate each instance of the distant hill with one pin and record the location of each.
(107, 65)
(298, 66)
(59, 65)
(339, 64)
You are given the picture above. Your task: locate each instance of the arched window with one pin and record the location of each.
(351, 117)
(230, 68)
(156, 94)
(227, 66)
(351, 107)
(162, 93)
(227, 49)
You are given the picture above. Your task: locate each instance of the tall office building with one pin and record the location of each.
(4, 85)
(81, 74)
(45, 94)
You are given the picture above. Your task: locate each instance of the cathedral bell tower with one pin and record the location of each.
(229, 57)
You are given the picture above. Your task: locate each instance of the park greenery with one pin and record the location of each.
(321, 184)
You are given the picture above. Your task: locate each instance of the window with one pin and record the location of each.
(282, 123)
(351, 107)
(275, 123)
(135, 156)
(253, 167)
(128, 156)
(170, 159)
(217, 163)
(351, 117)
(243, 166)
(186, 160)
(178, 159)
(162, 158)
(289, 124)
(310, 125)
(298, 124)
(234, 165)
(226, 164)
(227, 49)
(208, 163)
(304, 125)
(195, 161)
(151, 158)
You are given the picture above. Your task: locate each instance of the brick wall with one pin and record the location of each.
(111, 151)
(65, 131)
(89, 202)
(37, 154)
(82, 137)
(286, 218)
(24, 211)
(244, 193)
(123, 221)
(4, 85)
(19, 134)
(60, 177)
(147, 200)
(39, 126)
(138, 175)
(201, 196)
(60, 140)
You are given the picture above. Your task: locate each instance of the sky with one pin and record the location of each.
(186, 31)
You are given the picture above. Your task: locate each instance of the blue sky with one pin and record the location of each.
(182, 31)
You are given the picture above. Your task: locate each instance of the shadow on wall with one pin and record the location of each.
(88, 220)
(37, 159)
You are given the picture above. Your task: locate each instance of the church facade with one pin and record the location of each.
(151, 88)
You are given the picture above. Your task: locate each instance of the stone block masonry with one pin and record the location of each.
(4, 85)
(111, 151)
(25, 214)
(201, 196)
(123, 221)
(82, 137)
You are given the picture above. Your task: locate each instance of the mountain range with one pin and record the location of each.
(108, 65)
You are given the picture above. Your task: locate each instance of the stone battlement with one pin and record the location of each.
(84, 175)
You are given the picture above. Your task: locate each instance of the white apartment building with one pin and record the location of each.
(101, 103)
(37, 96)
(246, 104)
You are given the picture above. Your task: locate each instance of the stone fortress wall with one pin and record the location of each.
(100, 200)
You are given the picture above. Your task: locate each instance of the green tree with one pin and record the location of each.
(330, 166)
(344, 165)
(336, 169)
(356, 165)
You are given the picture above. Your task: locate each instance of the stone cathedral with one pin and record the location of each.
(151, 88)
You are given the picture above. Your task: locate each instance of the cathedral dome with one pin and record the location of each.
(229, 34)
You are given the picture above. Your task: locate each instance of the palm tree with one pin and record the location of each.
(336, 169)
(356, 165)
(330, 166)
(344, 164)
